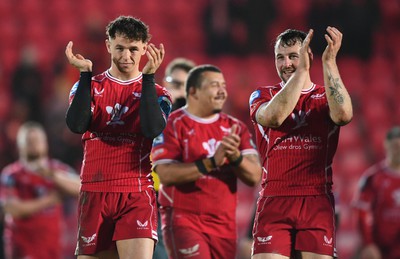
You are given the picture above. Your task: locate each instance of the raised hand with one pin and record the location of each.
(231, 144)
(219, 156)
(155, 57)
(334, 40)
(78, 61)
(305, 51)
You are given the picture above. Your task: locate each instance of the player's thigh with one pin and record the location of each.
(309, 255)
(95, 228)
(221, 247)
(316, 227)
(137, 218)
(101, 255)
(184, 242)
(272, 231)
(135, 248)
(269, 256)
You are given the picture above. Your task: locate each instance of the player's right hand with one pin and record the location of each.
(305, 51)
(78, 61)
(155, 57)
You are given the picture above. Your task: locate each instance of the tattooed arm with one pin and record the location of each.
(339, 101)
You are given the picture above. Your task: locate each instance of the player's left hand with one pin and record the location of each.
(334, 40)
(231, 144)
(155, 57)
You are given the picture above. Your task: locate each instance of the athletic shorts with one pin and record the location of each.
(105, 218)
(304, 223)
(184, 242)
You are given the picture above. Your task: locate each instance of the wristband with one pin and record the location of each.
(200, 166)
(237, 161)
(213, 163)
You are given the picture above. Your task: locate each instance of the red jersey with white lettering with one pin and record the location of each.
(116, 154)
(38, 235)
(213, 197)
(297, 156)
(378, 200)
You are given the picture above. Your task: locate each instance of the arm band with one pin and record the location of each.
(214, 164)
(238, 161)
(152, 121)
(200, 166)
(79, 114)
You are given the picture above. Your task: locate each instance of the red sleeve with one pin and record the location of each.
(259, 97)
(246, 144)
(363, 204)
(167, 145)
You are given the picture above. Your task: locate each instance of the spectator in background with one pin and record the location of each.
(378, 204)
(119, 112)
(321, 14)
(297, 126)
(176, 74)
(199, 157)
(32, 191)
(259, 15)
(27, 86)
(225, 27)
(359, 20)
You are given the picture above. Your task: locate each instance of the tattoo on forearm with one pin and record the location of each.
(334, 87)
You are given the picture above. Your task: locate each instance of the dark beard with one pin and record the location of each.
(33, 157)
(217, 111)
(179, 102)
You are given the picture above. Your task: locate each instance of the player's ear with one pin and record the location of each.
(193, 92)
(310, 54)
(108, 45)
(144, 49)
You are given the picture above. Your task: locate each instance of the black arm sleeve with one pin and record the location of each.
(78, 114)
(152, 121)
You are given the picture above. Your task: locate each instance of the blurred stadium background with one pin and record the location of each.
(236, 35)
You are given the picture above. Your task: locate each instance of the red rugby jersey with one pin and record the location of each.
(188, 138)
(297, 156)
(116, 154)
(38, 235)
(378, 199)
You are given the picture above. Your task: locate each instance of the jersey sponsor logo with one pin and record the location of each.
(98, 93)
(191, 250)
(298, 142)
(300, 118)
(264, 240)
(142, 225)
(158, 140)
(254, 96)
(90, 239)
(158, 152)
(327, 241)
(116, 113)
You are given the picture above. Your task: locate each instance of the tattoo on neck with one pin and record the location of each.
(334, 87)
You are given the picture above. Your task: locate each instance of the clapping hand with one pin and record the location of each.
(155, 57)
(78, 61)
